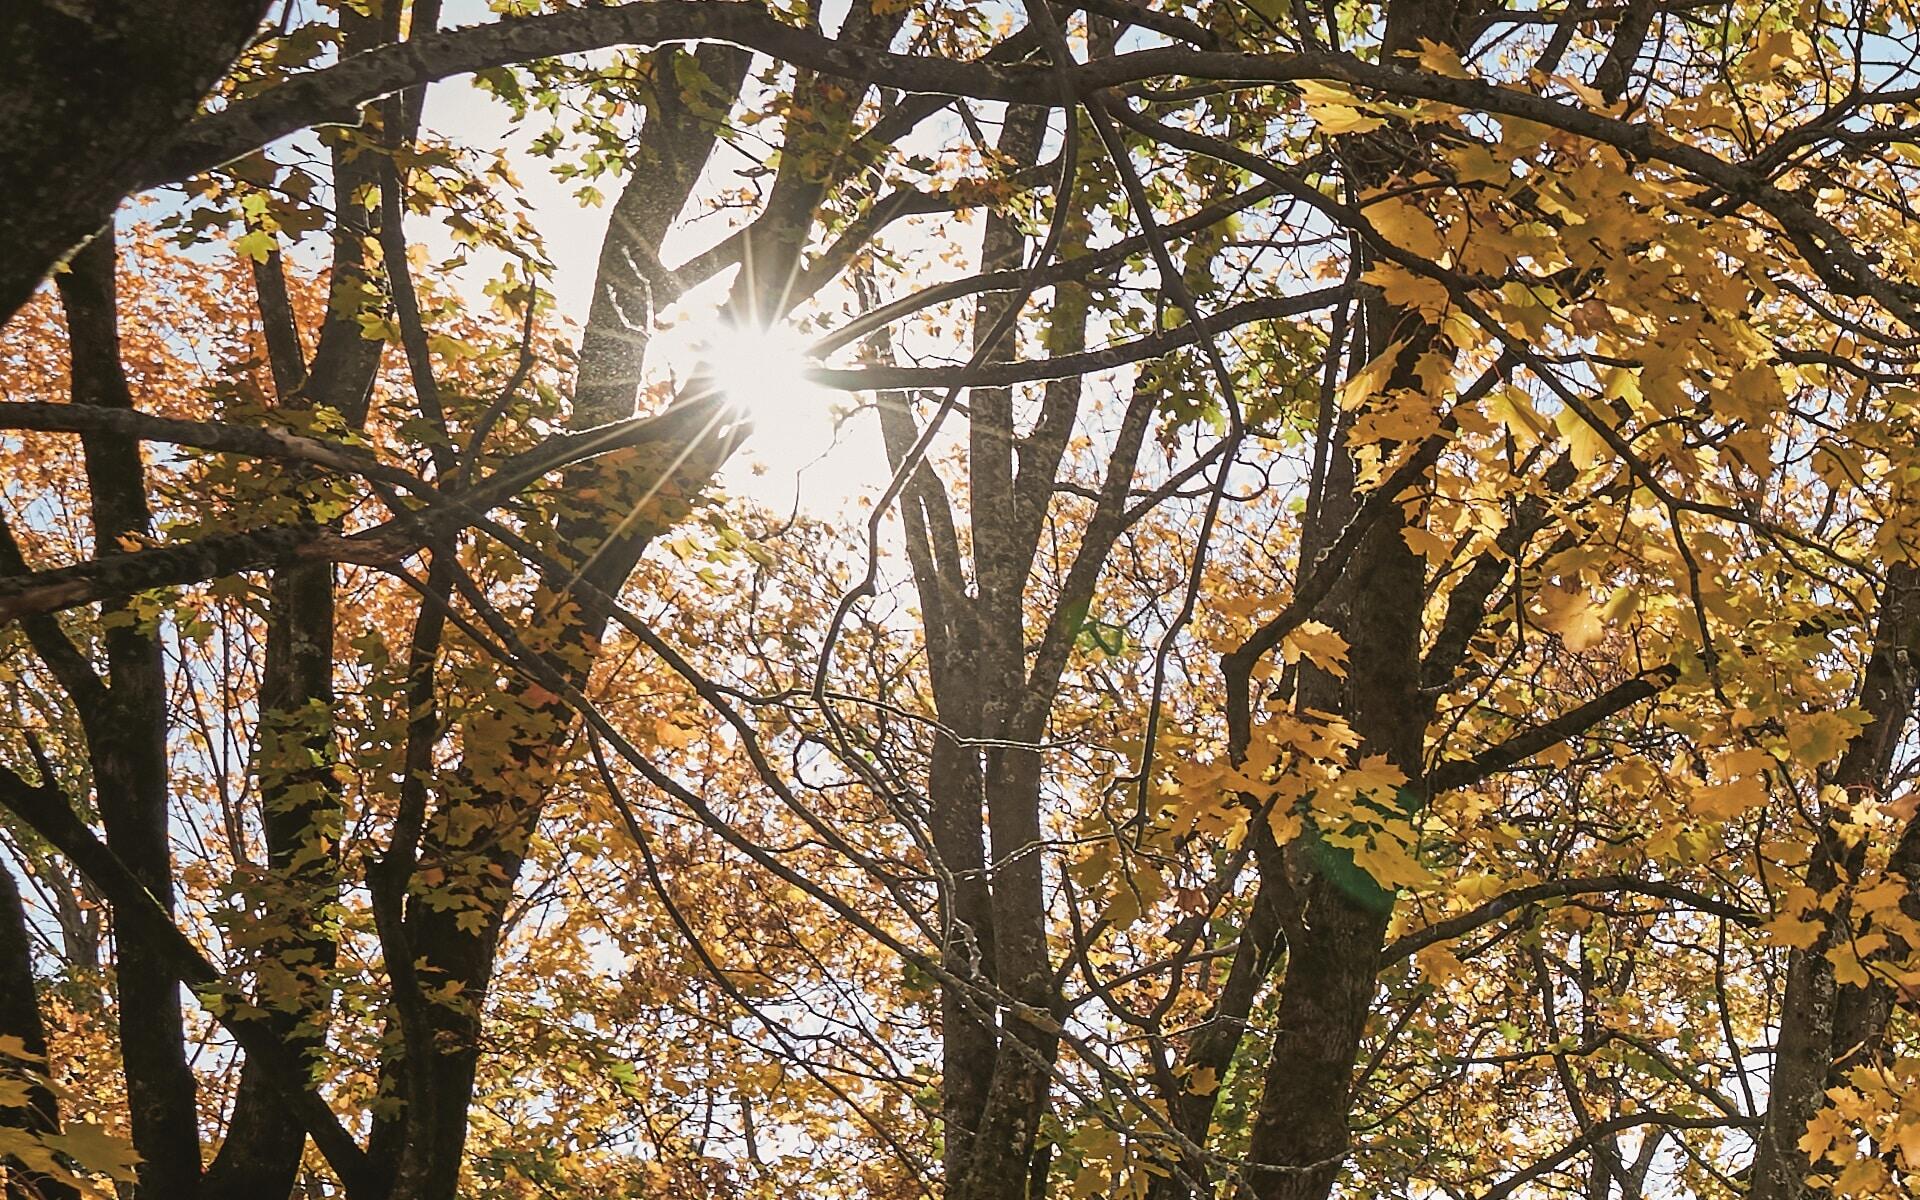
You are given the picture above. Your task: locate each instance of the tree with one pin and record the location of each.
(1377, 661)
(89, 90)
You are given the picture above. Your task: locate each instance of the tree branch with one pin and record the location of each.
(1003, 374)
(334, 95)
(1557, 889)
(1467, 772)
(50, 814)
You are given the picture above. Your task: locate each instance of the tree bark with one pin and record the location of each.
(87, 90)
(1820, 1021)
(1337, 923)
(127, 742)
(456, 943)
(20, 1019)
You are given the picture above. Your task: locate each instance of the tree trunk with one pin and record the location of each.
(127, 742)
(1821, 1022)
(20, 1019)
(87, 91)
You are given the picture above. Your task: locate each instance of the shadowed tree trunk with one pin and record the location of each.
(86, 92)
(1334, 916)
(20, 1020)
(126, 725)
(1825, 1027)
(301, 815)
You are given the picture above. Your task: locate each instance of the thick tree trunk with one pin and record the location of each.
(1335, 931)
(1337, 923)
(87, 92)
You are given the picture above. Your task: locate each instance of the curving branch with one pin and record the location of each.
(36, 593)
(1517, 749)
(1560, 889)
(254, 441)
(1594, 1134)
(334, 95)
(1120, 354)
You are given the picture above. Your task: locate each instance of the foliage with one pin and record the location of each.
(1368, 648)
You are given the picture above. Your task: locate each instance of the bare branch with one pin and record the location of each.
(1467, 772)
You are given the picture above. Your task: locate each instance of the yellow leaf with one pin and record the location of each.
(1426, 544)
(1319, 645)
(1408, 227)
(94, 1149)
(1390, 863)
(1584, 442)
(1511, 407)
(1621, 606)
(1374, 774)
(1203, 1081)
(1442, 60)
(1725, 801)
(1124, 909)
(1401, 416)
(667, 733)
(1335, 110)
(1438, 964)
(1862, 1176)
(1821, 736)
(1404, 289)
(1371, 379)
(1907, 1137)
(1849, 970)
(1285, 824)
(1776, 50)
(1474, 163)
(1572, 614)
(1793, 931)
(1345, 120)
(1480, 887)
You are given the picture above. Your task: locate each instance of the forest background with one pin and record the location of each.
(1356, 633)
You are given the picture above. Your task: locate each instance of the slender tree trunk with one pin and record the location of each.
(1003, 1139)
(20, 1020)
(127, 742)
(455, 937)
(301, 810)
(1821, 1023)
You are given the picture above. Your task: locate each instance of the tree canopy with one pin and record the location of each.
(1357, 636)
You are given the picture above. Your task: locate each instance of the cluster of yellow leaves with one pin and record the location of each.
(83, 1155)
(1875, 1107)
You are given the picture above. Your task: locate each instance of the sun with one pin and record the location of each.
(761, 371)
(762, 374)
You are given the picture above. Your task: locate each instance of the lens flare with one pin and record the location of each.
(762, 375)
